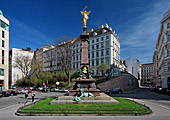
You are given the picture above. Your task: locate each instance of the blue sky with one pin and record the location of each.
(35, 23)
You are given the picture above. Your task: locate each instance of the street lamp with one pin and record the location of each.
(57, 84)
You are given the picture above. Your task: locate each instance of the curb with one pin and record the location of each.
(30, 114)
(21, 114)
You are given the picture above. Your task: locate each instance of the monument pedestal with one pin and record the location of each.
(88, 85)
(102, 99)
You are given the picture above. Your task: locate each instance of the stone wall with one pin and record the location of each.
(125, 81)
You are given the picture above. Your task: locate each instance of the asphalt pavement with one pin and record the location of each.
(158, 103)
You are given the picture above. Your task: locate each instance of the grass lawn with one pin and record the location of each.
(123, 107)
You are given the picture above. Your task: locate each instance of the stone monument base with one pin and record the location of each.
(102, 99)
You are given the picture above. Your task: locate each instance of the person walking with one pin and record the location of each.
(33, 95)
(26, 97)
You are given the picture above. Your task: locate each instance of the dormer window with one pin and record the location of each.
(103, 31)
(94, 34)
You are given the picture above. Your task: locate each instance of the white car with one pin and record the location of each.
(21, 91)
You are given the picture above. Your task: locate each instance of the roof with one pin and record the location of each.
(99, 31)
(147, 65)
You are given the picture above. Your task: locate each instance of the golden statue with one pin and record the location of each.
(85, 14)
(84, 70)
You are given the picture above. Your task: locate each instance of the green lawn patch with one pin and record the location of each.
(123, 107)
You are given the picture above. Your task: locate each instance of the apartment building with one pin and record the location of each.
(147, 71)
(155, 67)
(163, 49)
(50, 59)
(15, 74)
(4, 48)
(133, 67)
(103, 47)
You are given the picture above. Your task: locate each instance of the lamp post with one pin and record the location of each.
(57, 84)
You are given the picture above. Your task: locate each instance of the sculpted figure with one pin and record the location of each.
(85, 16)
(83, 94)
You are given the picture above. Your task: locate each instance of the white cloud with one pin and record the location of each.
(139, 41)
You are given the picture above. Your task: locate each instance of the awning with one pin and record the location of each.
(1, 84)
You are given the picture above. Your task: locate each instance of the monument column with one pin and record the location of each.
(84, 53)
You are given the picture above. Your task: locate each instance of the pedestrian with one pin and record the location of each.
(33, 95)
(26, 97)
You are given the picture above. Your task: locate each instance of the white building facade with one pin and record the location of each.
(163, 49)
(103, 47)
(133, 67)
(4, 48)
(15, 73)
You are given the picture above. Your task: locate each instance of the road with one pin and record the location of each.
(6, 102)
(160, 104)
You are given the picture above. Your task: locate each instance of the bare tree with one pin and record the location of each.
(64, 55)
(38, 66)
(25, 64)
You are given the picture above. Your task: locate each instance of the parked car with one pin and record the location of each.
(28, 90)
(5, 93)
(21, 91)
(158, 88)
(13, 92)
(40, 89)
(0, 94)
(115, 91)
(152, 89)
(54, 90)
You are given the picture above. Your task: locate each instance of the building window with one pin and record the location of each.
(1, 72)
(92, 62)
(102, 44)
(102, 38)
(107, 51)
(92, 41)
(107, 43)
(89, 55)
(93, 55)
(168, 52)
(77, 65)
(102, 60)
(97, 54)
(2, 56)
(97, 62)
(168, 66)
(168, 25)
(97, 40)
(3, 34)
(88, 42)
(102, 53)
(92, 47)
(107, 37)
(3, 43)
(2, 24)
(97, 46)
(107, 61)
(168, 37)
